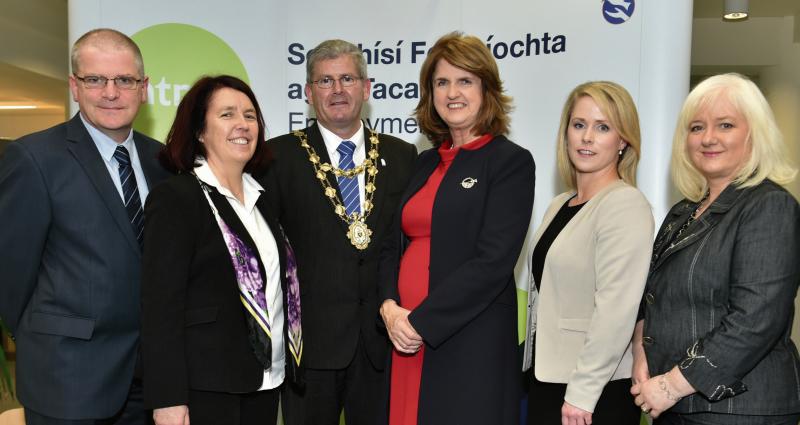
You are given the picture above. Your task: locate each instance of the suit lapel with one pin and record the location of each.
(148, 161)
(80, 144)
(277, 233)
(666, 246)
(381, 182)
(230, 218)
(427, 163)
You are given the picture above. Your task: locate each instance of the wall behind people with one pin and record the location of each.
(543, 48)
(768, 50)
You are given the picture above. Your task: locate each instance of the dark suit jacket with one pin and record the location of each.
(719, 302)
(70, 272)
(338, 283)
(469, 319)
(194, 331)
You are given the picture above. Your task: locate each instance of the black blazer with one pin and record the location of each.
(69, 273)
(338, 283)
(469, 318)
(194, 331)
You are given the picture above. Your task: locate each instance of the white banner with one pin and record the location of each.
(543, 48)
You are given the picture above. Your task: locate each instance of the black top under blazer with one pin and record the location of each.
(338, 283)
(194, 331)
(468, 321)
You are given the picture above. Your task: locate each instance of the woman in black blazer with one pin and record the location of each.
(447, 275)
(220, 305)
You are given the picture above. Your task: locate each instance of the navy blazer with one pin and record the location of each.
(70, 272)
(469, 318)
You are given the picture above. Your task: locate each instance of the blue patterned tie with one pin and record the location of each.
(130, 191)
(348, 187)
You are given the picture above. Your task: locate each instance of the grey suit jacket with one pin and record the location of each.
(69, 273)
(719, 302)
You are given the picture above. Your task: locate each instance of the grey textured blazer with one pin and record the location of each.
(592, 283)
(720, 301)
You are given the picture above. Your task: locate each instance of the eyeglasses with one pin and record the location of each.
(345, 80)
(99, 82)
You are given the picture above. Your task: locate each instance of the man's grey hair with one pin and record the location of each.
(106, 38)
(332, 49)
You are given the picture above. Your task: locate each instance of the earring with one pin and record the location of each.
(620, 152)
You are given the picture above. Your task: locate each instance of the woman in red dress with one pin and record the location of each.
(447, 273)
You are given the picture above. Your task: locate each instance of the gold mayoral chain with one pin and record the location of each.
(357, 230)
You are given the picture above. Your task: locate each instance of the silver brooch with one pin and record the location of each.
(468, 182)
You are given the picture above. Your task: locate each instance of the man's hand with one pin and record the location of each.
(175, 415)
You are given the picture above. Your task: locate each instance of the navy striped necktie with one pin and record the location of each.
(348, 187)
(130, 192)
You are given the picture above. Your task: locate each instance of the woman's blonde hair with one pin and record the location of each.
(768, 156)
(617, 105)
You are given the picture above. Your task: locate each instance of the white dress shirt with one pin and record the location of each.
(332, 142)
(267, 248)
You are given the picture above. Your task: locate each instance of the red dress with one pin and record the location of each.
(413, 283)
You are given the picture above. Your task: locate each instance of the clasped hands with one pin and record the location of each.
(403, 336)
(655, 395)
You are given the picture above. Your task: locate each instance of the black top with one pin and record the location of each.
(561, 219)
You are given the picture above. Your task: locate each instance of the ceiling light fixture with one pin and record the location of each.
(736, 10)
(18, 107)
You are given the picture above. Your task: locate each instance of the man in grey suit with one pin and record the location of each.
(71, 203)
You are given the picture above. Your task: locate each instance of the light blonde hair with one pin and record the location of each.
(768, 156)
(470, 54)
(106, 38)
(617, 105)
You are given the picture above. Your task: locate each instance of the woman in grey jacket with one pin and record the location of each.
(714, 346)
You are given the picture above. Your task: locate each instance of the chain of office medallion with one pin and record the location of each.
(322, 168)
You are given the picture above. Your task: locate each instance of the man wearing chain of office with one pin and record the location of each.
(335, 186)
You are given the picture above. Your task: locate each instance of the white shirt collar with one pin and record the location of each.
(251, 189)
(332, 141)
(105, 144)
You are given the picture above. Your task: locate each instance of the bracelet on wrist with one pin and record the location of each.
(662, 383)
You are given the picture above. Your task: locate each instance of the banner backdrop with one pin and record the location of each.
(543, 48)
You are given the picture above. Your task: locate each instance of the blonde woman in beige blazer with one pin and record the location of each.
(588, 265)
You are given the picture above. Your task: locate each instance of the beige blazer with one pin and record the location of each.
(593, 278)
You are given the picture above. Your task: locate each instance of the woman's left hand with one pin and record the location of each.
(571, 415)
(660, 393)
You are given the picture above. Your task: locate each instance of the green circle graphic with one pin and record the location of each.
(175, 56)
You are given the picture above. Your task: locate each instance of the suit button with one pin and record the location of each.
(648, 341)
(360, 261)
(362, 301)
(649, 298)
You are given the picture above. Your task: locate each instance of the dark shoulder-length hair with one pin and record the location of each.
(470, 54)
(182, 144)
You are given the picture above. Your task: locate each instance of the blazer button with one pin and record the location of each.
(360, 261)
(648, 341)
(649, 298)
